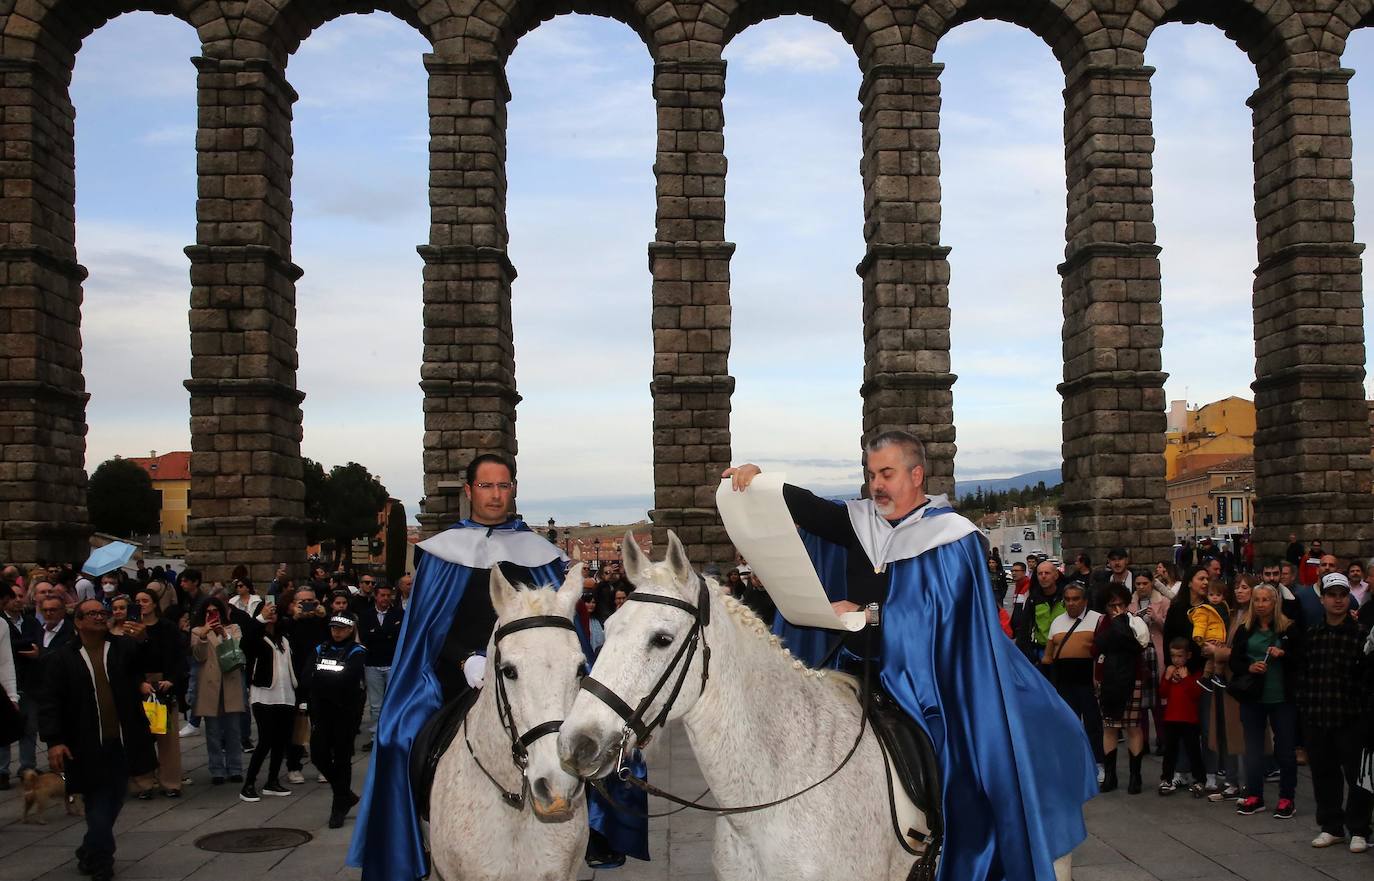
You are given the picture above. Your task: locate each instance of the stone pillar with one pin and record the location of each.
(42, 392)
(1312, 460)
(690, 262)
(247, 499)
(1113, 389)
(905, 271)
(468, 374)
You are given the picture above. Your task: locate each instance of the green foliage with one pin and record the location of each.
(341, 505)
(976, 504)
(396, 542)
(121, 499)
(316, 514)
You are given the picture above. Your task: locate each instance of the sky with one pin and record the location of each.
(581, 213)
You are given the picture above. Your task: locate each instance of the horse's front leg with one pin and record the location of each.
(733, 858)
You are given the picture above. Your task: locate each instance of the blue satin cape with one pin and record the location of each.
(387, 843)
(812, 644)
(1016, 763)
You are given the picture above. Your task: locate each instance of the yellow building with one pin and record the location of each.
(171, 474)
(1208, 435)
(1214, 500)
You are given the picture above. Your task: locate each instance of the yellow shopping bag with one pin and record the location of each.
(157, 715)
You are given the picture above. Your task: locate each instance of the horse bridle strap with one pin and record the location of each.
(519, 743)
(681, 663)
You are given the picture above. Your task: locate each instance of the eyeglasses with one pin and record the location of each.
(368, 581)
(504, 486)
(95, 613)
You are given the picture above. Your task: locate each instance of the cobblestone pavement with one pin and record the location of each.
(1133, 838)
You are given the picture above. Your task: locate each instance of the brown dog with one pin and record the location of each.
(39, 789)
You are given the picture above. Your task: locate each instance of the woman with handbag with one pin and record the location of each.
(1120, 644)
(1266, 665)
(217, 644)
(273, 699)
(1151, 607)
(159, 655)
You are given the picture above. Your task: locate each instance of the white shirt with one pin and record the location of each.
(85, 590)
(283, 687)
(7, 677)
(50, 635)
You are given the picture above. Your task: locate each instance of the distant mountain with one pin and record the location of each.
(1051, 476)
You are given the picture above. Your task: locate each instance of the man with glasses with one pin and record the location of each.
(91, 716)
(446, 631)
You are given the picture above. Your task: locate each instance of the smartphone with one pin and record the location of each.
(135, 612)
(212, 617)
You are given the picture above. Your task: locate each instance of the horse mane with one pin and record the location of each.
(750, 623)
(535, 600)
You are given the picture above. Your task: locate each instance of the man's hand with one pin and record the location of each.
(842, 606)
(30, 652)
(57, 757)
(741, 476)
(164, 685)
(146, 689)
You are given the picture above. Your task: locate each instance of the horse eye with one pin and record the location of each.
(661, 640)
(509, 671)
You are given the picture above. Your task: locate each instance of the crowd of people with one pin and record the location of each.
(1237, 677)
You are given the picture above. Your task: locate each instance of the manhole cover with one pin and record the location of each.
(252, 840)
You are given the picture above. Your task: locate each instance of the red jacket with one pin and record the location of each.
(1181, 698)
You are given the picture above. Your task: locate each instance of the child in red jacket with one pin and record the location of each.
(1181, 691)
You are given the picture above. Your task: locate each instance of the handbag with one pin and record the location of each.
(156, 711)
(1247, 687)
(11, 720)
(230, 655)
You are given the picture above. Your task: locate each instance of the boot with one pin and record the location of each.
(1134, 786)
(1109, 781)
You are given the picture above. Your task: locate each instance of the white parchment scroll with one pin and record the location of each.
(762, 530)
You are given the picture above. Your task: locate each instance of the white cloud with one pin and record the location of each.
(791, 43)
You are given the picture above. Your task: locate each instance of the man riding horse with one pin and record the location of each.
(1011, 808)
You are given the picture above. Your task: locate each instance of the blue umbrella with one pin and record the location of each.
(108, 558)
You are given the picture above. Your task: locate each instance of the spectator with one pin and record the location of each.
(219, 692)
(110, 584)
(306, 626)
(734, 584)
(1295, 551)
(1359, 588)
(272, 696)
(596, 631)
(1268, 646)
(1020, 581)
(1151, 608)
(340, 601)
(1332, 704)
(1313, 603)
(92, 719)
(362, 601)
(1122, 667)
(1181, 691)
(1117, 571)
(119, 615)
(1227, 738)
(163, 663)
(1069, 659)
(380, 628)
(84, 588)
(1177, 622)
(1033, 613)
(1082, 571)
(25, 655)
(621, 595)
(1288, 589)
(336, 711)
(1309, 570)
(245, 599)
(189, 592)
(279, 583)
(403, 590)
(756, 598)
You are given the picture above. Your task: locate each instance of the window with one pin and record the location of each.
(1237, 510)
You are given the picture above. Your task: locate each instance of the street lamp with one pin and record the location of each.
(1194, 525)
(1249, 524)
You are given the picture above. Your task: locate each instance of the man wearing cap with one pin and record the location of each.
(1310, 597)
(1334, 711)
(1117, 571)
(336, 710)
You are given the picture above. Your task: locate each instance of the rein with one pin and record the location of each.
(634, 719)
(519, 743)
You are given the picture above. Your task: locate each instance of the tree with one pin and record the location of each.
(316, 501)
(396, 542)
(352, 499)
(121, 499)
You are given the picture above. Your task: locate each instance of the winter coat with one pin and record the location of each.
(1118, 646)
(69, 714)
(1209, 623)
(210, 682)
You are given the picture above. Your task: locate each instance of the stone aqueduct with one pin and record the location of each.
(1313, 441)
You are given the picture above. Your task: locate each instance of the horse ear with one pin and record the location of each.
(677, 560)
(571, 591)
(502, 592)
(635, 562)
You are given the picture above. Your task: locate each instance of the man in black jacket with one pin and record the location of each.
(91, 716)
(379, 626)
(336, 710)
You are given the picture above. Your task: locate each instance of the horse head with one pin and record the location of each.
(536, 665)
(650, 663)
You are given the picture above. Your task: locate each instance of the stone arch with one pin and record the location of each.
(1348, 17)
(879, 34)
(52, 31)
(655, 21)
(1075, 33)
(1272, 38)
(284, 24)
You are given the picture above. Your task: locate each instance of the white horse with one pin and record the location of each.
(475, 832)
(762, 726)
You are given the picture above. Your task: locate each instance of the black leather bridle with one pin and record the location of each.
(519, 743)
(635, 727)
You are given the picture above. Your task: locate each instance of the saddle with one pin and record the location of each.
(432, 741)
(913, 776)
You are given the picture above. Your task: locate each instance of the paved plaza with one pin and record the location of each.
(1134, 838)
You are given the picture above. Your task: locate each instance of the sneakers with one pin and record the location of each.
(276, 789)
(188, 729)
(1167, 787)
(1252, 805)
(1272, 775)
(1228, 794)
(248, 746)
(295, 777)
(320, 778)
(1101, 773)
(1358, 844)
(249, 793)
(1198, 790)
(1285, 810)
(1326, 839)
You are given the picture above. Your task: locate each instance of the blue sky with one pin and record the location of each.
(581, 207)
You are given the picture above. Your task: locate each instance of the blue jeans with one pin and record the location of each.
(1283, 719)
(223, 747)
(377, 679)
(28, 741)
(103, 798)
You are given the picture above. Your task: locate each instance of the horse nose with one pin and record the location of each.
(542, 790)
(582, 754)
